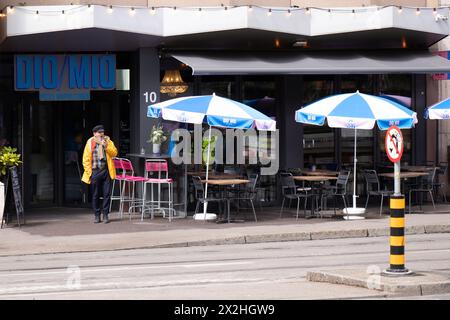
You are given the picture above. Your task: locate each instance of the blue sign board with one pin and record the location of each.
(64, 77)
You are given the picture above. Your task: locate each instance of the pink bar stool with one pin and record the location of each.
(131, 180)
(120, 176)
(157, 173)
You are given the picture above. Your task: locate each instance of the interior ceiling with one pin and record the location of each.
(95, 39)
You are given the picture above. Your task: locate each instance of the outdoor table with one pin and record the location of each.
(412, 168)
(404, 175)
(215, 176)
(417, 168)
(225, 183)
(319, 179)
(319, 172)
(144, 156)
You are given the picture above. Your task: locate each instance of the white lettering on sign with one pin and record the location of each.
(394, 144)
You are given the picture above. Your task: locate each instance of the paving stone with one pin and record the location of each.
(415, 230)
(212, 242)
(379, 232)
(338, 234)
(437, 228)
(278, 237)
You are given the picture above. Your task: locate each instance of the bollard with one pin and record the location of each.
(397, 238)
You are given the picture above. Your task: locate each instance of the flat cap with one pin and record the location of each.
(98, 128)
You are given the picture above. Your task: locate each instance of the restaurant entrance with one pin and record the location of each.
(55, 134)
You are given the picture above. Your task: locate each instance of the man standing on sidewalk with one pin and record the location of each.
(99, 170)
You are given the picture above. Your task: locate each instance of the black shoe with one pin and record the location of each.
(105, 218)
(97, 219)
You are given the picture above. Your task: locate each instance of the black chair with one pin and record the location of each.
(425, 186)
(441, 171)
(290, 191)
(199, 193)
(373, 187)
(339, 189)
(249, 192)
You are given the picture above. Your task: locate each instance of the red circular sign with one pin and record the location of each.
(393, 143)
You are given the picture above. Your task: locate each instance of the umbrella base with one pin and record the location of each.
(354, 213)
(201, 216)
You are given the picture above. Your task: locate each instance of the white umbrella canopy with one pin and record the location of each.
(215, 111)
(438, 111)
(356, 111)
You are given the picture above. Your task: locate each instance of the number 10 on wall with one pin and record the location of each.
(150, 97)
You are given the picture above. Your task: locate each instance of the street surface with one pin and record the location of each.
(252, 271)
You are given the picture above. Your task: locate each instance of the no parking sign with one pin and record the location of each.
(394, 144)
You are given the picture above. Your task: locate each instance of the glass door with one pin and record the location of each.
(74, 137)
(78, 119)
(39, 155)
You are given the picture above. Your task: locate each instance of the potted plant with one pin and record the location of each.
(8, 158)
(212, 153)
(157, 137)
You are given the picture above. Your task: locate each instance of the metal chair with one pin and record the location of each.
(157, 173)
(290, 191)
(120, 176)
(339, 189)
(199, 194)
(130, 180)
(373, 187)
(426, 185)
(438, 185)
(249, 193)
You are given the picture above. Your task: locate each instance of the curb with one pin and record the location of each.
(281, 237)
(401, 288)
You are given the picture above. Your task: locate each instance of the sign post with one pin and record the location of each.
(394, 151)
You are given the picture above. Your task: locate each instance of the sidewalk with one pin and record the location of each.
(73, 230)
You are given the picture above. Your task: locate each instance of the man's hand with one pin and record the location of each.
(104, 142)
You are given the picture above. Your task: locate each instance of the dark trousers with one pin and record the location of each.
(101, 187)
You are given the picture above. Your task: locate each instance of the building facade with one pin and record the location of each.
(57, 62)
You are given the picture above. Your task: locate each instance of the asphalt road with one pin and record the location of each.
(252, 271)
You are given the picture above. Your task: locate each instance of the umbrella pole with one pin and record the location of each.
(354, 174)
(205, 204)
(354, 212)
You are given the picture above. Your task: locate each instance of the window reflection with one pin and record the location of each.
(318, 141)
(259, 92)
(221, 86)
(364, 151)
(398, 88)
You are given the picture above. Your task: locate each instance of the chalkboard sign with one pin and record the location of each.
(17, 195)
(2, 202)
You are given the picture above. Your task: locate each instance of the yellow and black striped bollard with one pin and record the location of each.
(397, 238)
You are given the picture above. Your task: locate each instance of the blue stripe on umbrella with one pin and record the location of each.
(354, 106)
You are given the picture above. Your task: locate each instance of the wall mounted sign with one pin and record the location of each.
(64, 77)
(442, 76)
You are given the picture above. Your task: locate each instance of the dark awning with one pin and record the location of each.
(325, 62)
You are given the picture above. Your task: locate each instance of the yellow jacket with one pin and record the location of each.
(111, 152)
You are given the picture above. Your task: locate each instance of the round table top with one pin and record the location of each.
(404, 175)
(215, 176)
(314, 178)
(319, 172)
(226, 182)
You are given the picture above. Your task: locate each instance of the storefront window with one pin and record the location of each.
(397, 87)
(221, 86)
(260, 94)
(365, 138)
(42, 149)
(318, 141)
